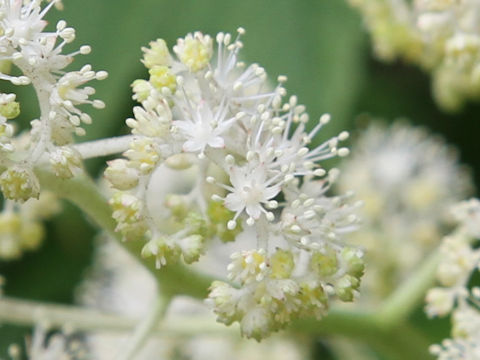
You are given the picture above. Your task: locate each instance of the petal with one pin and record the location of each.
(216, 142)
(237, 177)
(254, 210)
(184, 126)
(192, 146)
(234, 202)
(271, 191)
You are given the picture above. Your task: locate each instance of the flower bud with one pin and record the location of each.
(19, 184)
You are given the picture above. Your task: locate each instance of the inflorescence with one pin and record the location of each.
(460, 260)
(39, 55)
(257, 170)
(257, 173)
(117, 275)
(408, 179)
(440, 36)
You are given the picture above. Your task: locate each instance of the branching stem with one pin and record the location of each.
(174, 279)
(145, 329)
(104, 147)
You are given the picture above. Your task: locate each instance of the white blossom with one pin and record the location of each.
(41, 59)
(440, 36)
(408, 180)
(460, 259)
(109, 286)
(254, 165)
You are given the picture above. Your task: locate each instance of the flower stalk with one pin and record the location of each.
(361, 325)
(103, 147)
(145, 328)
(175, 280)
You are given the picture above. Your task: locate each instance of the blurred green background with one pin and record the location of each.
(319, 44)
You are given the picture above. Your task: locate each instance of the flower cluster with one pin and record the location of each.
(408, 180)
(21, 225)
(285, 285)
(440, 36)
(460, 259)
(255, 173)
(116, 275)
(392, 27)
(38, 54)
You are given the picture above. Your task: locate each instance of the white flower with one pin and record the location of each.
(203, 128)
(22, 22)
(468, 213)
(116, 276)
(157, 54)
(465, 342)
(240, 85)
(248, 266)
(279, 287)
(253, 161)
(120, 175)
(67, 95)
(251, 189)
(457, 349)
(312, 219)
(66, 162)
(154, 121)
(40, 57)
(460, 259)
(440, 301)
(9, 109)
(256, 323)
(440, 36)
(194, 51)
(408, 181)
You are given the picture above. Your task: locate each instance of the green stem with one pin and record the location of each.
(82, 191)
(29, 313)
(411, 293)
(145, 329)
(103, 147)
(398, 342)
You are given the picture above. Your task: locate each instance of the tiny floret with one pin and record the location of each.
(21, 227)
(19, 184)
(157, 54)
(194, 50)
